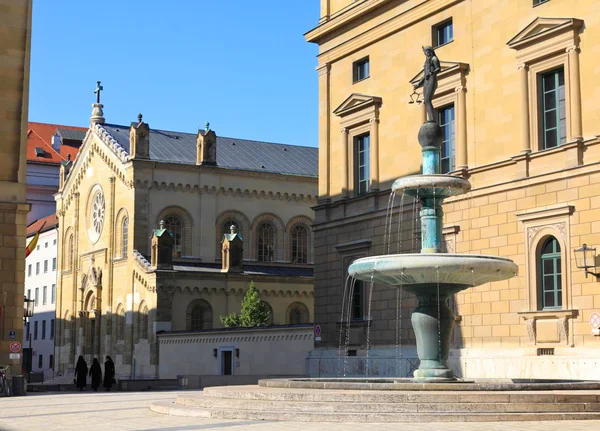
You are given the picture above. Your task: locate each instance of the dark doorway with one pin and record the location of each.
(227, 362)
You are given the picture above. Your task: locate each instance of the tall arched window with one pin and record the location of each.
(70, 251)
(125, 240)
(550, 264)
(174, 224)
(120, 335)
(143, 323)
(299, 244)
(199, 315)
(265, 242)
(297, 313)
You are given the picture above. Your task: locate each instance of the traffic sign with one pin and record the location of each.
(12, 335)
(14, 356)
(15, 347)
(595, 320)
(317, 332)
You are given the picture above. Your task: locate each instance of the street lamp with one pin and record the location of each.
(585, 258)
(28, 307)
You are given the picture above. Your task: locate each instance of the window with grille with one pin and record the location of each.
(363, 170)
(297, 313)
(550, 262)
(446, 123)
(125, 241)
(199, 315)
(174, 224)
(299, 244)
(554, 111)
(358, 309)
(197, 318)
(265, 242)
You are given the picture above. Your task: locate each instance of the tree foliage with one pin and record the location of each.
(253, 313)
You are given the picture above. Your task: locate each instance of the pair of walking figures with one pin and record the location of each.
(95, 371)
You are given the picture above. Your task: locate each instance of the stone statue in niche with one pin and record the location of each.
(99, 277)
(429, 80)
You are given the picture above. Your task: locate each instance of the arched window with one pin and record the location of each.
(265, 242)
(550, 263)
(297, 313)
(125, 240)
(70, 251)
(174, 224)
(270, 309)
(120, 335)
(199, 315)
(299, 244)
(143, 323)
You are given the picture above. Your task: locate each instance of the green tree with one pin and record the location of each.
(253, 313)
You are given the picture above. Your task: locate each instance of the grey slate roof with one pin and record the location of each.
(232, 153)
(72, 135)
(276, 271)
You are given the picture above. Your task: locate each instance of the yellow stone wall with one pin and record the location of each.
(520, 195)
(128, 285)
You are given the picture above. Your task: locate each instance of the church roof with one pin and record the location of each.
(232, 153)
(249, 270)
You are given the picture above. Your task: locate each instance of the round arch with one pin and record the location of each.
(307, 223)
(279, 229)
(297, 313)
(242, 221)
(198, 315)
(187, 226)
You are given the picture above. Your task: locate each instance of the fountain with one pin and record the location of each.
(434, 394)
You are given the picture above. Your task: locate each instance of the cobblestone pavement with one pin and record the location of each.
(116, 411)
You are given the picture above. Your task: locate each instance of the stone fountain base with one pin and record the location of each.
(391, 400)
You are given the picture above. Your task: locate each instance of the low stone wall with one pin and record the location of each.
(255, 352)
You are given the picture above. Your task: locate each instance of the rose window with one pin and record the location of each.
(98, 213)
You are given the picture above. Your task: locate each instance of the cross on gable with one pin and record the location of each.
(98, 89)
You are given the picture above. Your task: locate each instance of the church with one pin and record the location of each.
(164, 231)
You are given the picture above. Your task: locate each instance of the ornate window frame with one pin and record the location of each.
(207, 313)
(307, 223)
(122, 215)
(542, 46)
(96, 195)
(359, 115)
(538, 225)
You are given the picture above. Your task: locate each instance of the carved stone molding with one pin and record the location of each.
(561, 227)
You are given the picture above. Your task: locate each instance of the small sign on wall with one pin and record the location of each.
(317, 332)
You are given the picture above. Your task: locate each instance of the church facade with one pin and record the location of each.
(516, 99)
(142, 217)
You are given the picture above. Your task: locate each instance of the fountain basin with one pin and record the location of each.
(454, 272)
(441, 186)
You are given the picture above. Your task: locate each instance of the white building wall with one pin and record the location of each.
(41, 274)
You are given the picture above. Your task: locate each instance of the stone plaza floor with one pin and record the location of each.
(117, 411)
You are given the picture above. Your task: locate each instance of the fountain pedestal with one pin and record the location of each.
(433, 323)
(431, 275)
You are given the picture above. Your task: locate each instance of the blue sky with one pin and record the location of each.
(244, 66)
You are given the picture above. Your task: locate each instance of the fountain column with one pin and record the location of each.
(432, 320)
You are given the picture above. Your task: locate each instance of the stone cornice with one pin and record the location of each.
(537, 214)
(405, 19)
(192, 288)
(260, 194)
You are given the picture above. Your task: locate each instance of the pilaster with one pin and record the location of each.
(575, 93)
(374, 154)
(524, 91)
(346, 165)
(461, 142)
(324, 127)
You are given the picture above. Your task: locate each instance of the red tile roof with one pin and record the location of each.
(51, 221)
(39, 135)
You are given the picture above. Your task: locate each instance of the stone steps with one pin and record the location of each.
(279, 404)
(173, 409)
(387, 407)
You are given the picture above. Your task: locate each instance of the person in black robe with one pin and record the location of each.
(109, 373)
(96, 373)
(81, 370)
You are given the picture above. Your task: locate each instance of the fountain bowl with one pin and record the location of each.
(441, 186)
(454, 272)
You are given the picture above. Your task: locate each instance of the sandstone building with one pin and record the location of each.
(517, 102)
(146, 244)
(15, 52)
